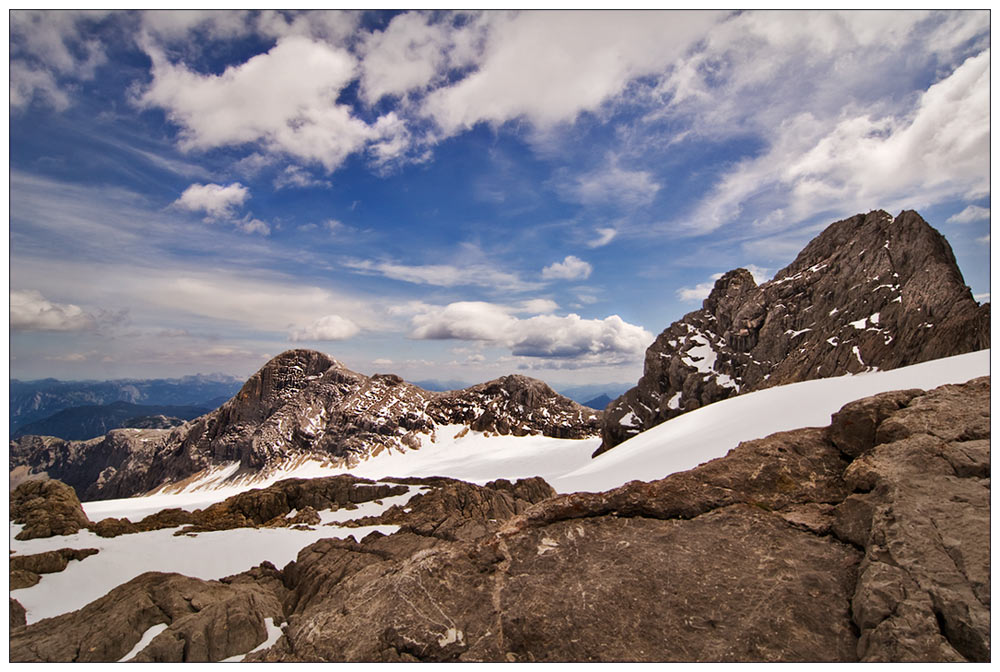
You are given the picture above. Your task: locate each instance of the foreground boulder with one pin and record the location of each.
(866, 540)
(46, 508)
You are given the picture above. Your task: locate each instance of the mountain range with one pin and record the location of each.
(859, 540)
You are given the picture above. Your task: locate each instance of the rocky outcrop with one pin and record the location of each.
(46, 508)
(206, 621)
(287, 503)
(18, 616)
(25, 570)
(870, 292)
(867, 540)
(458, 511)
(301, 404)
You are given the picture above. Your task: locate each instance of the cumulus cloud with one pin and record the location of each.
(284, 99)
(327, 328)
(549, 67)
(607, 341)
(214, 199)
(30, 311)
(414, 51)
(973, 213)
(570, 268)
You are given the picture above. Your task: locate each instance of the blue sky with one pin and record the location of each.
(457, 196)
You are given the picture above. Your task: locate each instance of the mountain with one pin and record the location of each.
(85, 422)
(869, 293)
(302, 405)
(584, 393)
(864, 540)
(38, 399)
(598, 402)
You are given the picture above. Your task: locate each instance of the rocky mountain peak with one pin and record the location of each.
(869, 292)
(304, 405)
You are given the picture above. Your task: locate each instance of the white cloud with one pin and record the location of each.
(604, 236)
(973, 213)
(411, 53)
(30, 311)
(382, 362)
(296, 176)
(570, 268)
(699, 292)
(48, 46)
(284, 99)
(327, 328)
(444, 275)
(214, 199)
(549, 67)
(613, 184)
(595, 342)
(179, 24)
(253, 225)
(862, 162)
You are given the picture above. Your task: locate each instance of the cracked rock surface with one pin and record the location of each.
(866, 540)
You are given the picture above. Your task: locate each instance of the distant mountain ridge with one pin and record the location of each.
(86, 422)
(37, 399)
(301, 404)
(870, 292)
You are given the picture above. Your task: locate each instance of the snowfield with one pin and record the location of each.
(673, 446)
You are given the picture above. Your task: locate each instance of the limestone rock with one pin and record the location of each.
(208, 621)
(25, 569)
(18, 617)
(870, 292)
(46, 508)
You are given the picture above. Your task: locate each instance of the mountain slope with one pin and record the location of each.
(303, 404)
(870, 292)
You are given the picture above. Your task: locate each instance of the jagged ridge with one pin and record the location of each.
(870, 292)
(302, 403)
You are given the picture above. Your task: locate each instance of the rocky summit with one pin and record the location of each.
(869, 293)
(867, 540)
(300, 404)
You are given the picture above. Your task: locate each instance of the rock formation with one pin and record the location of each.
(46, 508)
(870, 292)
(866, 540)
(301, 403)
(25, 570)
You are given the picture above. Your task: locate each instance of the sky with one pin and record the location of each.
(457, 196)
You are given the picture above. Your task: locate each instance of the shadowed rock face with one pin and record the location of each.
(867, 540)
(869, 292)
(301, 403)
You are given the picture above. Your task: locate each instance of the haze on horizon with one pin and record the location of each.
(457, 195)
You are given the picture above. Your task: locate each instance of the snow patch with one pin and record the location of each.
(143, 642)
